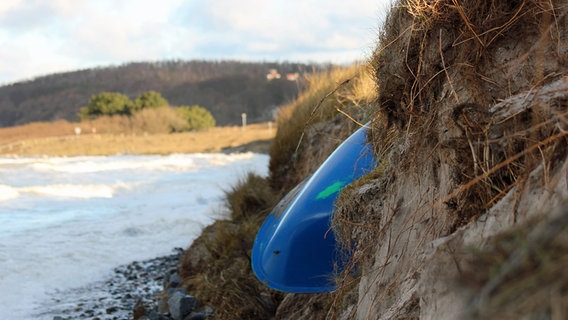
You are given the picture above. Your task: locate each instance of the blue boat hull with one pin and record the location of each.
(295, 249)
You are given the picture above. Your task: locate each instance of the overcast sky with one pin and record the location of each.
(39, 37)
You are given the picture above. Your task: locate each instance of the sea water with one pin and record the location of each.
(67, 222)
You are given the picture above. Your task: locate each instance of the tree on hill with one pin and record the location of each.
(149, 99)
(106, 104)
(198, 118)
(150, 112)
(113, 103)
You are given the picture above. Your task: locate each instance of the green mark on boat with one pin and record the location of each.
(333, 188)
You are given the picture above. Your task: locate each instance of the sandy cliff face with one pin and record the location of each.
(471, 137)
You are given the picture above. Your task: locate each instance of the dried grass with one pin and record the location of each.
(341, 95)
(250, 197)
(449, 47)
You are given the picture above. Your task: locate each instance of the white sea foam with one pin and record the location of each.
(175, 162)
(8, 193)
(55, 191)
(72, 191)
(65, 222)
(7, 161)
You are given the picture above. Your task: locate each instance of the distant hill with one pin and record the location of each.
(225, 88)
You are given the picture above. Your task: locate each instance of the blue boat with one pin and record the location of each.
(295, 249)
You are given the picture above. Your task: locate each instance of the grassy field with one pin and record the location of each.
(15, 141)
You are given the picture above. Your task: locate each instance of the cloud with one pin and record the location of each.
(282, 27)
(43, 36)
(25, 16)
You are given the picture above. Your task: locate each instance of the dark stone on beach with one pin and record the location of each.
(166, 278)
(163, 302)
(175, 281)
(181, 305)
(111, 310)
(196, 316)
(171, 291)
(153, 315)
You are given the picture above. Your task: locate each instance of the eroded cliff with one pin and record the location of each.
(471, 136)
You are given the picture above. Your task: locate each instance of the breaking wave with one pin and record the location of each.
(175, 162)
(89, 191)
(8, 193)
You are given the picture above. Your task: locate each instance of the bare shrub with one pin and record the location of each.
(158, 120)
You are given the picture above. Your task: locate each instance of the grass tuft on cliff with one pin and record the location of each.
(217, 266)
(343, 95)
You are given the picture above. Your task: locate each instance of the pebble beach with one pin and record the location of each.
(116, 297)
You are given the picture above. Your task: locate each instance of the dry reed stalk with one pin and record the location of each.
(500, 166)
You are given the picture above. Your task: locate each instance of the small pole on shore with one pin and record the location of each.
(244, 118)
